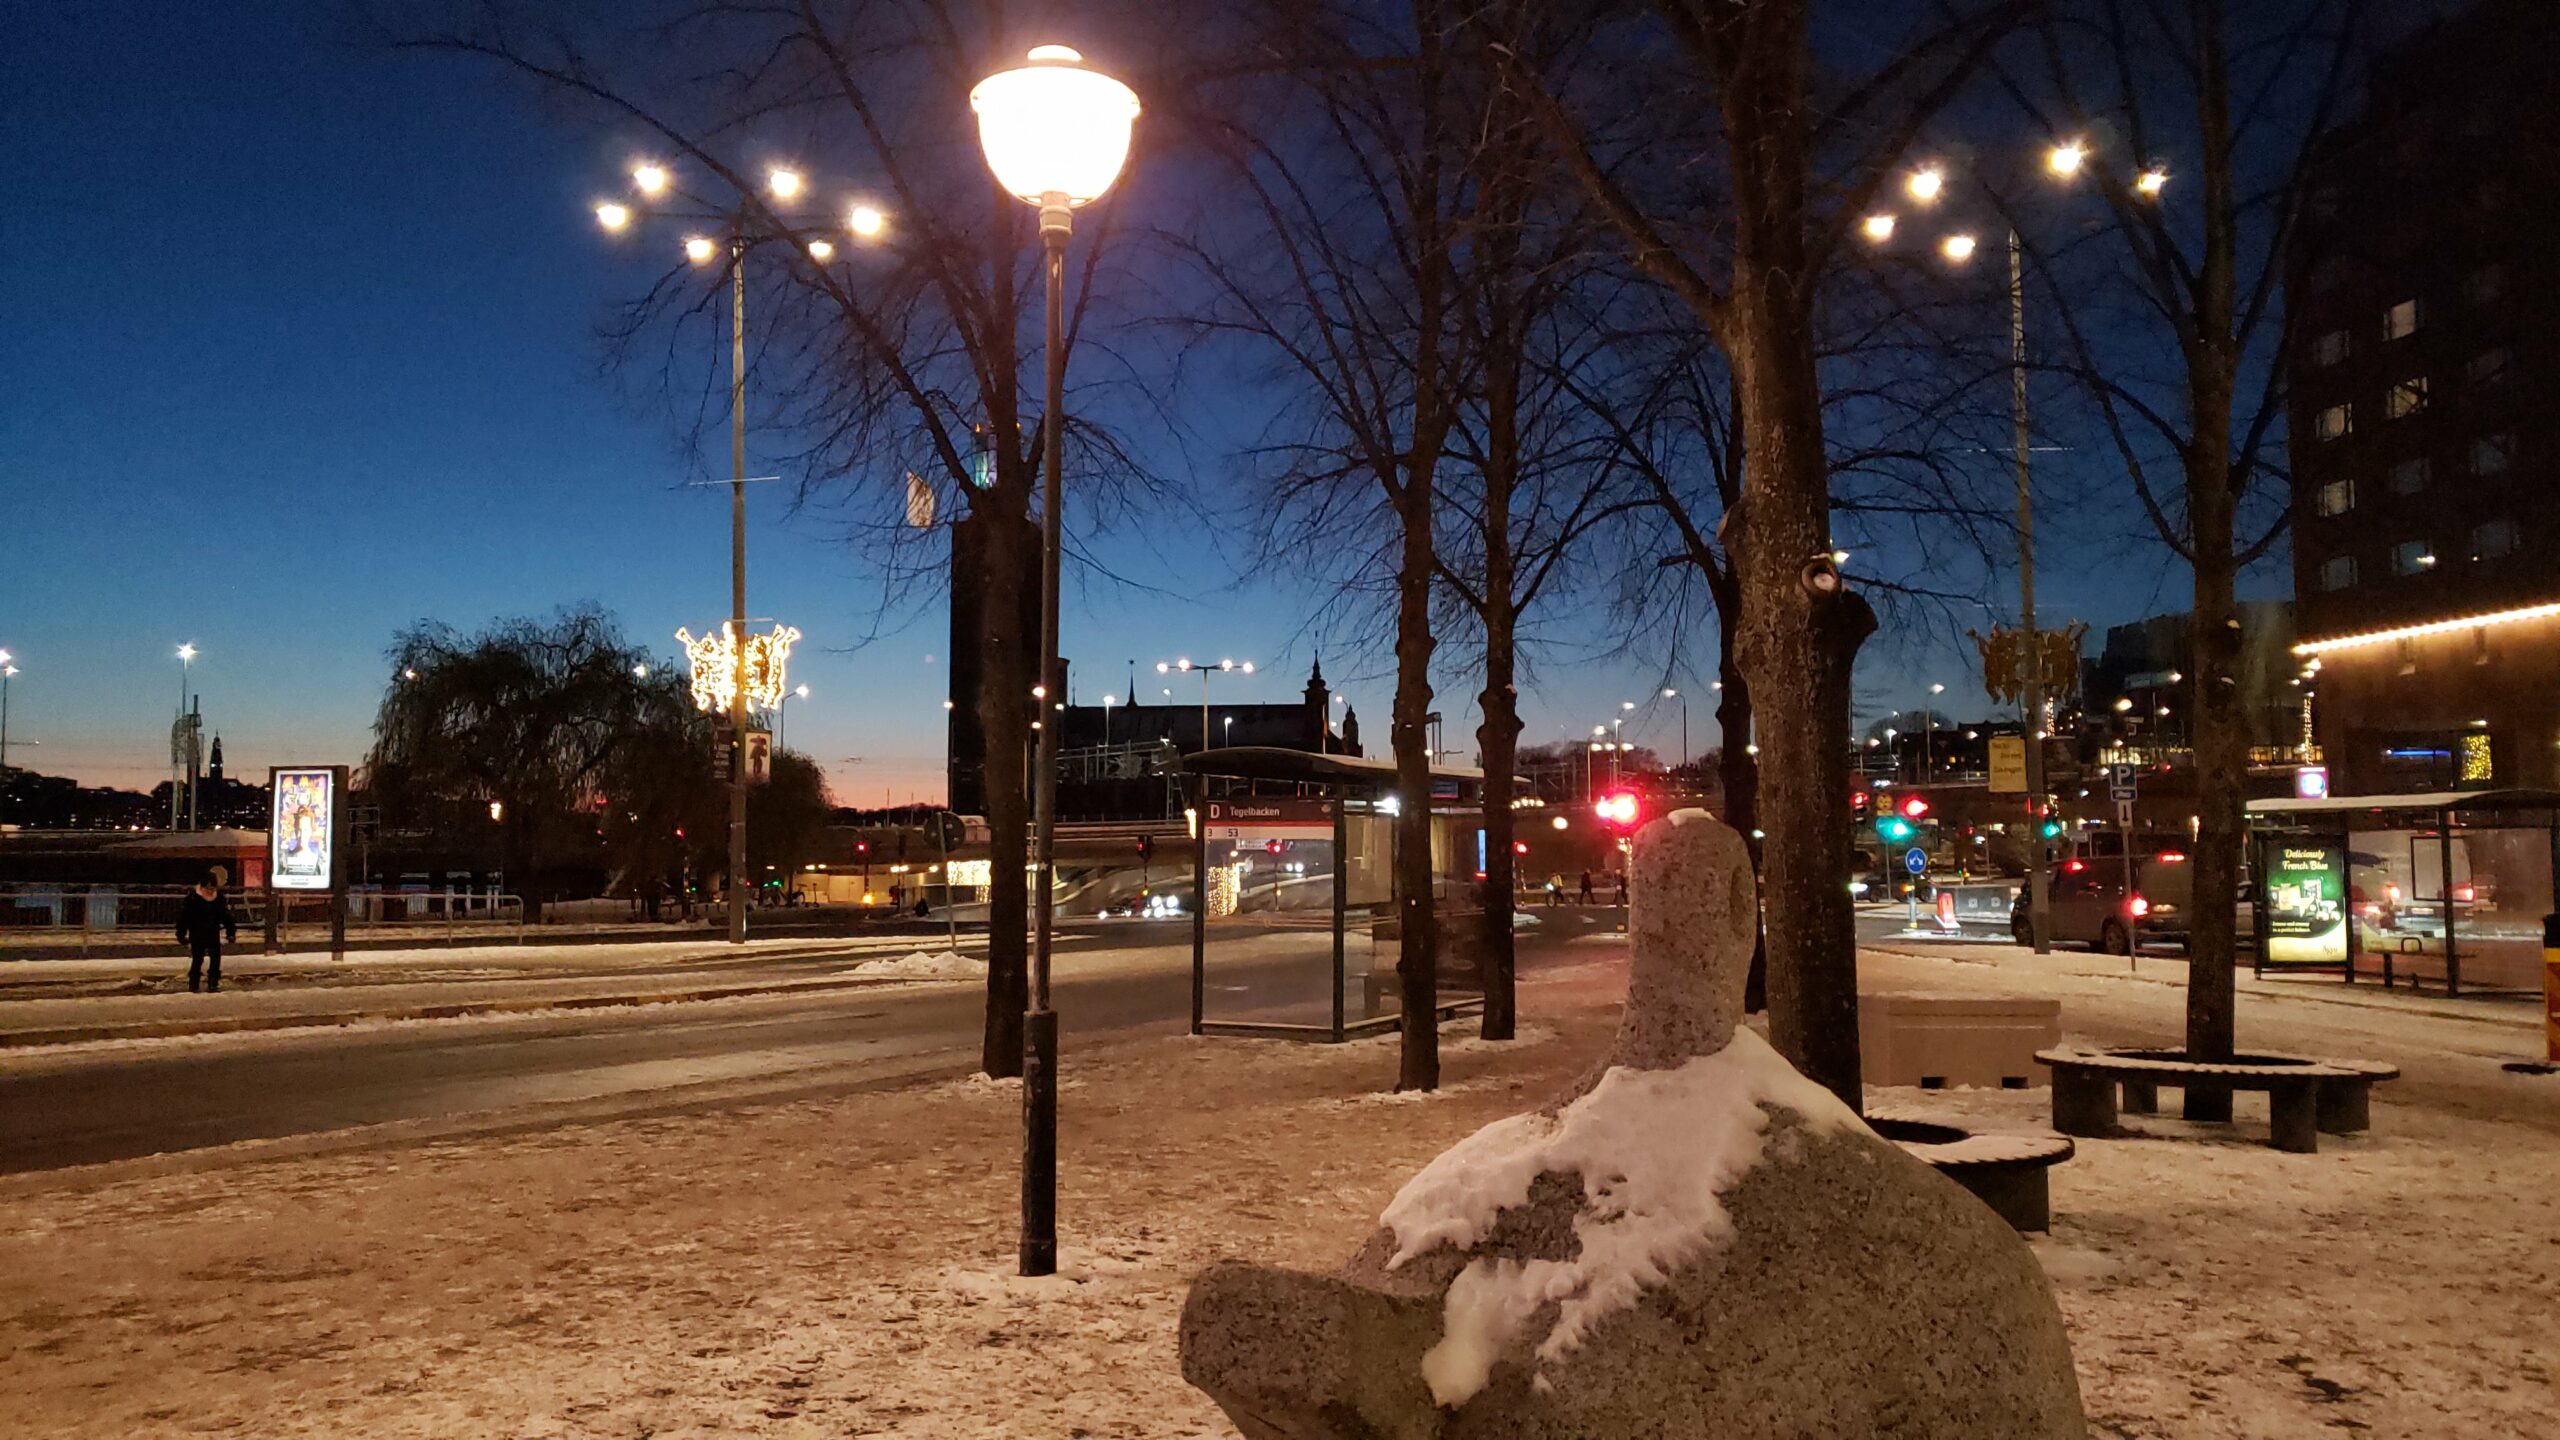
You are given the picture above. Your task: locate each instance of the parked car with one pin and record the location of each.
(2087, 904)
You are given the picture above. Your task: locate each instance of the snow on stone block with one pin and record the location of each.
(1655, 1150)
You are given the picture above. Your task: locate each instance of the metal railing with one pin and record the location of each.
(72, 918)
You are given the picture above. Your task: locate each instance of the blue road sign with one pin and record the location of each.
(1916, 860)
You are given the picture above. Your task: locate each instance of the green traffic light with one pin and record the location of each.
(1894, 827)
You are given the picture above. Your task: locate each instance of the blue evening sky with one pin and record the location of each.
(298, 346)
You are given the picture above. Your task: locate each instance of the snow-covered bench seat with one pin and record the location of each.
(2304, 1096)
(2005, 1172)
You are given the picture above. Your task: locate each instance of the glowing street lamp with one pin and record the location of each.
(1056, 135)
(2152, 181)
(2066, 158)
(1878, 228)
(1958, 247)
(1926, 184)
(740, 228)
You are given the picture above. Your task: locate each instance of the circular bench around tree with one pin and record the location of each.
(2304, 1096)
(2005, 1172)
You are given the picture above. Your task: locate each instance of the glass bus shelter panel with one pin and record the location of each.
(2501, 889)
(2498, 890)
(1267, 956)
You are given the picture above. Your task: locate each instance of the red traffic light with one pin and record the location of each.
(1519, 847)
(1913, 807)
(1616, 809)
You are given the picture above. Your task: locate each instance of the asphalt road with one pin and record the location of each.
(122, 1103)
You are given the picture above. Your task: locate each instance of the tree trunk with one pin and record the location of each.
(1498, 734)
(1498, 737)
(2221, 758)
(1418, 952)
(2220, 730)
(1795, 644)
(1004, 712)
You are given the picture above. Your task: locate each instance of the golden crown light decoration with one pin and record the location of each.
(718, 668)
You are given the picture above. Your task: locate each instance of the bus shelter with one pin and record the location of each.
(2449, 887)
(1288, 846)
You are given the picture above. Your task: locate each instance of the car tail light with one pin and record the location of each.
(2137, 907)
(2465, 894)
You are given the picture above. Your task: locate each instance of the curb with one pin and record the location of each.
(447, 1010)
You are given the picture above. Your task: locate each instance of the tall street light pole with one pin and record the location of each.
(738, 591)
(1684, 724)
(8, 672)
(2063, 161)
(177, 782)
(2031, 671)
(655, 185)
(1228, 666)
(1056, 135)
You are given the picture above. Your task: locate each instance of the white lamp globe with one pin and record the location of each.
(1053, 127)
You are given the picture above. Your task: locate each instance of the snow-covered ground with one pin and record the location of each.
(842, 1267)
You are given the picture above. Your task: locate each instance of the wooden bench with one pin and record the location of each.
(2005, 1172)
(2304, 1097)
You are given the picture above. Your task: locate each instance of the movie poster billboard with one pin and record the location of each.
(2306, 900)
(302, 829)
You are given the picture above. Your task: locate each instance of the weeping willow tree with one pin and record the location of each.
(532, 732)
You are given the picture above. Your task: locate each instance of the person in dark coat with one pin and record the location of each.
(204, 922)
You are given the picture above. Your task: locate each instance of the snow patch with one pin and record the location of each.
(1656, 1150)
(1685, 816)
(948, 965)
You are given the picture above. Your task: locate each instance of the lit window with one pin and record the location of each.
(2337, 497)
(2407, 397)
(2493, 540)
(2337, 572)
(2412, 557)
(2490, 454)
(2488, 368)
(2479, 765)
(2400, 321)
(2486, 285)
(2409, 476)
(2331, 348)
(2337, 420)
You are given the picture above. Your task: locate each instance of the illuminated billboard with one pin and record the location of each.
(302, 829)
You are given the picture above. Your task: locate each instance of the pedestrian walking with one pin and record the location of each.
(204, 923)
(1622, 887)
(1555, 888)
(1586, 897)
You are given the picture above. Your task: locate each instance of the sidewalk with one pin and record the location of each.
(76, 1002)
(844, 1265)
(2523, 1015)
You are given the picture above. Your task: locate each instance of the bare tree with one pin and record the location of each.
(2187, 380)
(1752, 284)
(1341, 141)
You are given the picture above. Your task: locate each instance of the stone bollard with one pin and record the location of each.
(1697, 1242)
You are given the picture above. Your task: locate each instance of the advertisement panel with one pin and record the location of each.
(302, 828)
(2306, 899)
